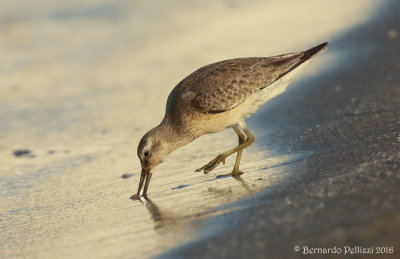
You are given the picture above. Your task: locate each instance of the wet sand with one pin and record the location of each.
(80, 85)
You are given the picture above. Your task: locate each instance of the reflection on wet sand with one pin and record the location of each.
(163, 218)
(238, 178)
(244, 184)
(160, 218)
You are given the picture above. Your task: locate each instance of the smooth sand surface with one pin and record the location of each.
(81, 83)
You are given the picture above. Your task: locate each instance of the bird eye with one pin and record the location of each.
(147, 153)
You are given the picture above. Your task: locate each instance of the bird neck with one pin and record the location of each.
(172, 136)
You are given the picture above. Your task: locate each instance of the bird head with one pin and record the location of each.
(154, 147)
(151, 150)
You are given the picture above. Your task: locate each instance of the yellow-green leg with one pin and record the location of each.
(242, 138)
(239, 149)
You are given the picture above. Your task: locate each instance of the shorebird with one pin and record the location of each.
(216, 97)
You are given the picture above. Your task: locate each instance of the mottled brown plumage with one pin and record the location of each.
(224, 85)
(215, 97)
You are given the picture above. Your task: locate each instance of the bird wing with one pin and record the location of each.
(223, 85)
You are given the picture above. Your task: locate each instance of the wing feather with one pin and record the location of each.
(224, 85)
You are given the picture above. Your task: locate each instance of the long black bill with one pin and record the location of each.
(142, 177)
(145, 175)
(146, 185)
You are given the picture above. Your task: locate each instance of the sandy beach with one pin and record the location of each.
(81, 83)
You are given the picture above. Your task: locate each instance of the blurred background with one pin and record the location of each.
(82, 81)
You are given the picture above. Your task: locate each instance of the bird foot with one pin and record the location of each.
(135, 197)
(236, 173)
(212, 164)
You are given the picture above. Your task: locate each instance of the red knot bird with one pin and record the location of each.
(216, 97)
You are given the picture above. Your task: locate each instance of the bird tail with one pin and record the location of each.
(301, 57)
(314, 51)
